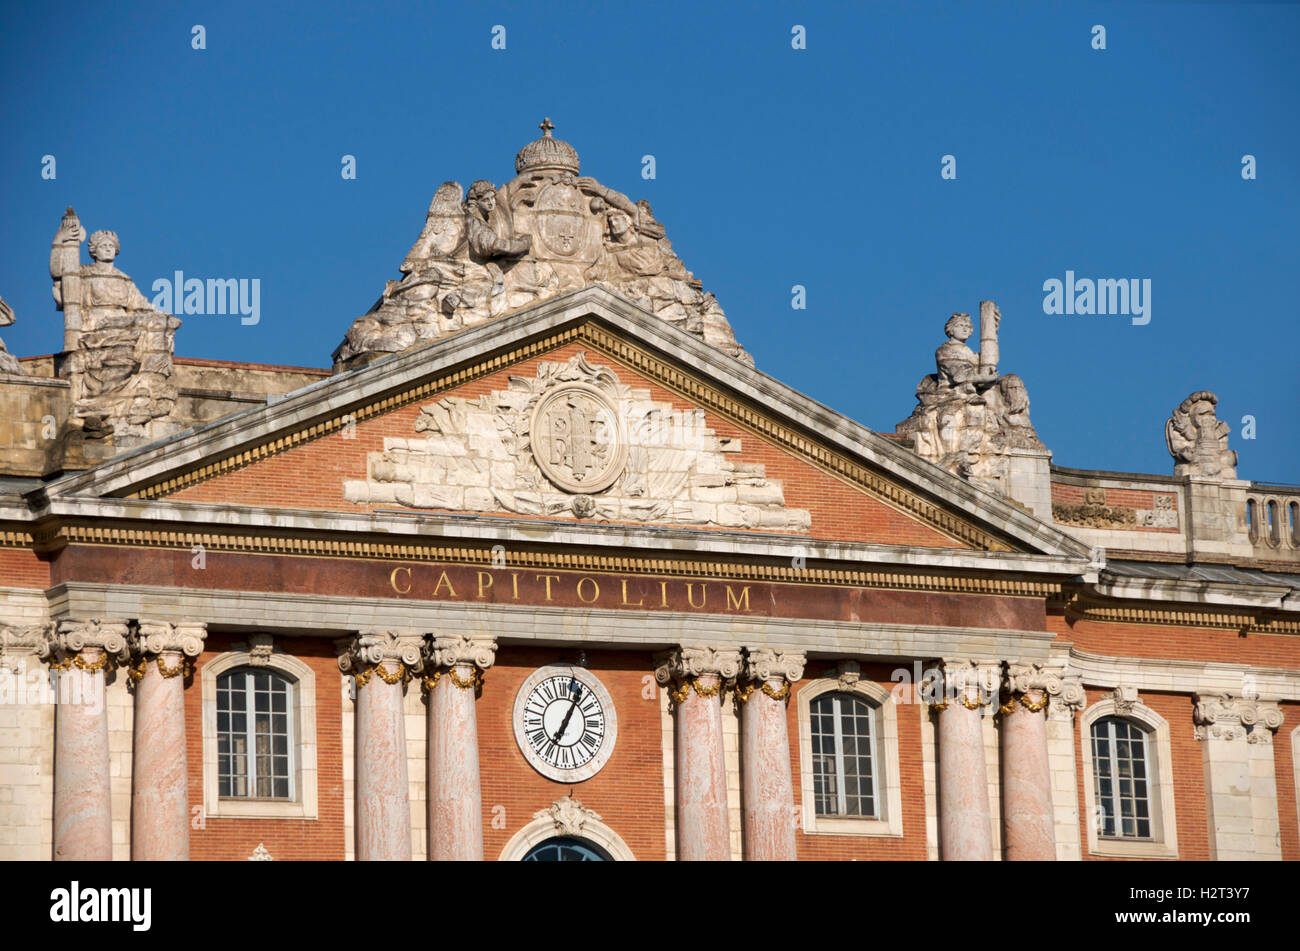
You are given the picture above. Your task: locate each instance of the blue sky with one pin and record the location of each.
(774, 167)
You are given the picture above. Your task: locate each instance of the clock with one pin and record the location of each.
(565, 723)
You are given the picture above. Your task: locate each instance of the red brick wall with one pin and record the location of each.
(285, 839)
(1063, 494)
(1284, 764)
(1177, 643)
(628, 792)
(22, 568)
(312, 475)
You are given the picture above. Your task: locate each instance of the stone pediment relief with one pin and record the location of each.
(574, 441)
(548, 231)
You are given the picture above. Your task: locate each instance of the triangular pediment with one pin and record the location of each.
(587, 408)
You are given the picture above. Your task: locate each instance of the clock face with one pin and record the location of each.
(565, 723)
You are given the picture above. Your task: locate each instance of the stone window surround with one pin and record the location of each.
(1295, 768)
(1164, 842)
(544, 827)
(886, 767)
(304, 732)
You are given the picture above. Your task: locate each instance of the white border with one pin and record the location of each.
(889, 792)
(1164, 844)
(304, 709)
(590, 681)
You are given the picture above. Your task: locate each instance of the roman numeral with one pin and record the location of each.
(591, 740)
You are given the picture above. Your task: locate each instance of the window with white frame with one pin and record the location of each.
(843, 756)
(1122, 776)
(848, 757)
(255, 741)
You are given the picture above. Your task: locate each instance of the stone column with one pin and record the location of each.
(965, 833)
(1028, 819)
(160, 800)
(1240, 780)
(453, 678)
(82, 652)
(382, 662)
(695, 678)
(767, 787)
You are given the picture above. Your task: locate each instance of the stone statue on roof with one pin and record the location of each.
(545, 232)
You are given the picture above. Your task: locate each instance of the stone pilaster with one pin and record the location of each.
(1061, 710)
(1027, 813)
(1240, 781)
(454, 668)
(162, 654)
(381, 663)
(968, 687)
(695, 678)
(82, 652)
(768, 789)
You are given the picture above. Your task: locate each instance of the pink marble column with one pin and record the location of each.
(82, 652)
(160, 802)
(381, 663)
(965, 833)
(695, 677)
(455, 790)
(1027, 815)
(767, 786)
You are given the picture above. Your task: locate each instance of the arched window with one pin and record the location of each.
(566, 849)
(843, 756)
(255, 735)
(1252, 520)
(1274, 525)
(1293, 510)
(1122, 774)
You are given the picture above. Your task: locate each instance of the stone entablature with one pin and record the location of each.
(573, 441)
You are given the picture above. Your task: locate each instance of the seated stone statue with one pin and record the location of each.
(1198, 439)
(119, 347)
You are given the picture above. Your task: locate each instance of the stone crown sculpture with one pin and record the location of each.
(968, 417)
(1198, 439)
(545, 232)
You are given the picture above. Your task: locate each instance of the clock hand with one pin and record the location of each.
(568, 715)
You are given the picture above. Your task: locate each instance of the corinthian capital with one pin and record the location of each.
(394, 654)
(691, 663)
(151, 638)
(460, 650)
(66, 643)
(1223, 716)
(764, 664)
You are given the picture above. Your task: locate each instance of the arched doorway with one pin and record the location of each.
(563, 848)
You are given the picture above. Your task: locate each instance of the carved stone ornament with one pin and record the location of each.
(461, 650)
(546, 232)
(847, 672)
(260, 649)
(572, 440)
(1124, 697)
(569, 816)
(19, 642)
(8, 364)
(260, 854)
(764, 665)
(577, 438)
(686, 663)
(393, 649)
(968, 417)
(1198, 439)
(71, 638)
(1223, 716)
(151, 638)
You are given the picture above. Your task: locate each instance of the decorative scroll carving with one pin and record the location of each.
(847, 672)
(19, 642)
(1223, 716)
(8, 364)
(967, 417)
(574, 440)
(460, 650)
(569, 815)
(1095, 513)
(105, 640)
(683, 670)
(119, 346)
(765, 664)
(1124, 697)
(260, 649)
(157, 637)
(1198, 440)
(546, 232)
(393, 655)
(971, 683)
